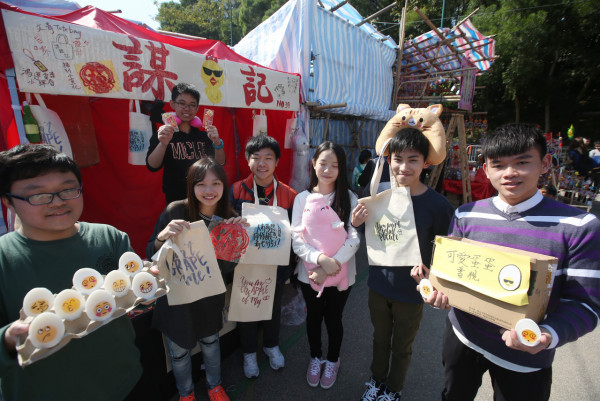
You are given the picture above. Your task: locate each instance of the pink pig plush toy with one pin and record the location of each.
(322, 229)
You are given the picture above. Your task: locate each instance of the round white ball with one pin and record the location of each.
(144, 285)
(87, 280)
(100, 306)
(69, 304)
(37, 301)
(130, 263)
(46, 330)
(117, 283)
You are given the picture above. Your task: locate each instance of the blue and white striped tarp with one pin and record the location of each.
(352, 65)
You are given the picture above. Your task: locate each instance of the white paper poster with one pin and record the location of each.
(57, 57)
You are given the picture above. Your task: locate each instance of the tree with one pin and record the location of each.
(202, 18)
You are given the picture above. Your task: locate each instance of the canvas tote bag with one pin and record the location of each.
(52, 129)
(140, 131)
(269, 232)
(259, 123)
(252, 293)
(189, 266)
(390, 229)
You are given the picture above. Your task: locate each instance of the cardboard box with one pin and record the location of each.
(462, 294)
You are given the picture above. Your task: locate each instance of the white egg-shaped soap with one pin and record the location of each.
(117, 283)
(46, 330)
(100, 305)
(37, 301)
(69, 304)
(144, 285)
(130, 263)
(87, 280)
(425, 288)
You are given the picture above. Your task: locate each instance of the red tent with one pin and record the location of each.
(115, 192)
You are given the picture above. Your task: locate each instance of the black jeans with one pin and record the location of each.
(329, 308)
(464, 368)
(249, 330)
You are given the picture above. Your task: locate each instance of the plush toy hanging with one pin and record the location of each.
(426, 120)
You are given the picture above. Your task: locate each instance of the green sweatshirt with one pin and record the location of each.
(102, 366)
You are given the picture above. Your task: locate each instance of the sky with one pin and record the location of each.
(139, 10)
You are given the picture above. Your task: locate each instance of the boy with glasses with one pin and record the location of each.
(43, 188)
(177, 151)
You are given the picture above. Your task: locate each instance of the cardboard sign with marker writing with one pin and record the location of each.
(189, 266)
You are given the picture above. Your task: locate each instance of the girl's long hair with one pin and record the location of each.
(341, 199)
(196, 173)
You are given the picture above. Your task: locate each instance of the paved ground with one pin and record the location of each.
(575, 373)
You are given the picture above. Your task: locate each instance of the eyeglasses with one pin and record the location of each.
(44, 199)
(184, 105)
(216, 73)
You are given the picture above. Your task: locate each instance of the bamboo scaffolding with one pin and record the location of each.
(377, 14)
(338, 5)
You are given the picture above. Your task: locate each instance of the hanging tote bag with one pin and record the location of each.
(269, 233)
(252, 293)
(140, 131)
(259, 123)
(189, 266)
(390, 229)
(52, 129)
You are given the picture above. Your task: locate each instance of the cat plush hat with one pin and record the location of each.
(426, 120)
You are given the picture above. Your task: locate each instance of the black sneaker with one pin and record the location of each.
(388, 395)
(372, 391)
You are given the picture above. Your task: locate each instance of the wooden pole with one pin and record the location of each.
(329, 106)
(399, 57)
(377, 14)
(338, 5)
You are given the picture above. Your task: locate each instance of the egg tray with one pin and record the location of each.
(27, 353)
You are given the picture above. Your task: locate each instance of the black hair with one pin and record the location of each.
(411, 139)
(259, 142)
(513, 139)
(550, 189)
(28, 161)
(364, 156)
(597, 142)
(341, 199)
(182, 88)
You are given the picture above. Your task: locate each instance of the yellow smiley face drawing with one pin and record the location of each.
(119, 286)
(529, 336)
(102, 309)
(132, 266)
(89, 282)
(71, 305)
(39, 306)
(146, 287)
(46, 334)
(426, 290)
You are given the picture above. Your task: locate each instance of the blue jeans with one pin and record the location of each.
(181, 360)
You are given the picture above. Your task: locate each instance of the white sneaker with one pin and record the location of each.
(251, 365)
(276, 358)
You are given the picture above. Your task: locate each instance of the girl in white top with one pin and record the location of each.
(329, 179)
